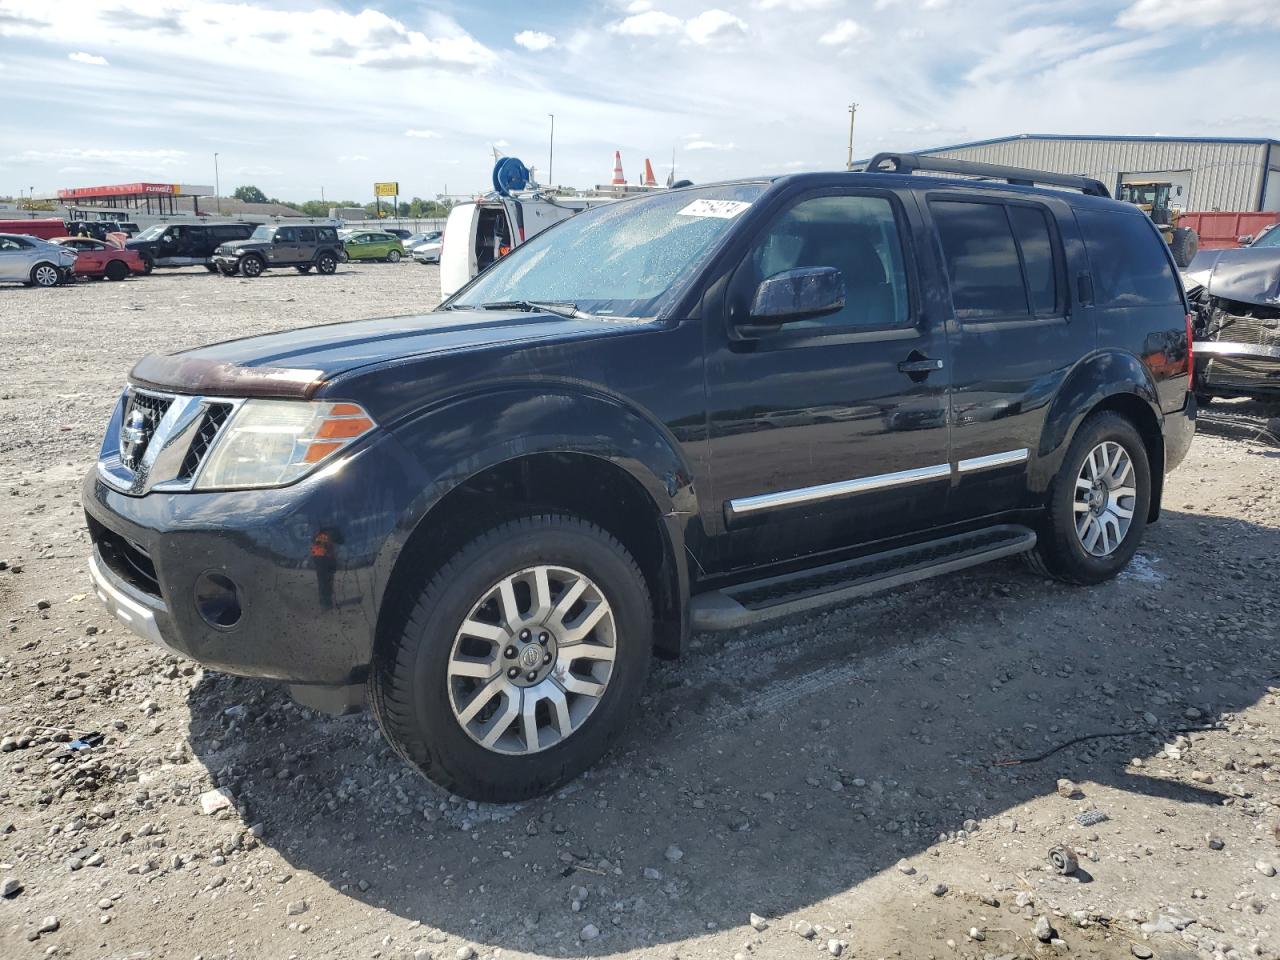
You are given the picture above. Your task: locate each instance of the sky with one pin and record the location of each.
(297, 96)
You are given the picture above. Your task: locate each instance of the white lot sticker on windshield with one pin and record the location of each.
(721, 209)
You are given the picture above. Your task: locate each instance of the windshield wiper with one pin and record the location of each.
(563, 309)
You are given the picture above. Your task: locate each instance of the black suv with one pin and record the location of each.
(771, 394)
(184, 244)
(300, 247)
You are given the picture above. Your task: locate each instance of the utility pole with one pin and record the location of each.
(853, 112)
(551, 158)
(217, 184)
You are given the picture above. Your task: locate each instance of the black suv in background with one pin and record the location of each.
(772, 394)
(184, 244)
(300, 247)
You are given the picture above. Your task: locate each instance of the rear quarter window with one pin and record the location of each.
(1129, 261)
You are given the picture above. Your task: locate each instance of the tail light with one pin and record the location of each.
(1191, 354)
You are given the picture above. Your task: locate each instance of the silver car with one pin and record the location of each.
(34, 262)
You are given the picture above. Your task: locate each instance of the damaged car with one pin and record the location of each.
(1235, 301)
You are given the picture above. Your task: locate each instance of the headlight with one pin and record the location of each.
(269, 443)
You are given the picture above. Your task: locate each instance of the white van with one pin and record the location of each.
(479, 232)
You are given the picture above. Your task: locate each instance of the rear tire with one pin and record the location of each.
(252, 266)
(211, 268)
(117, 270)
(1063, 551)
(304, 268)
(393, 256)
(326, 263)
(148, 265)
(421, 695)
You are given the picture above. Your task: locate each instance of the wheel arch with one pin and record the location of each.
(1113, 381)
(616, 468)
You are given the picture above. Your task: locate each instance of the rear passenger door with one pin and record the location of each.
(1013, 338)
(305, 251)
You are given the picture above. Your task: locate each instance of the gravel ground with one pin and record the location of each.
(829, 786)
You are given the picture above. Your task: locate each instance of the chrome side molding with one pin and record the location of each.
(841, 488)
(844, 488)
(1008, 458)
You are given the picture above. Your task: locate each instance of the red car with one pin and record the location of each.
(97, 259)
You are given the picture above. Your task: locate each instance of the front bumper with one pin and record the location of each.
(310, 563)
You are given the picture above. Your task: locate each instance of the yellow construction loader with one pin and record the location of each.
(1152, 196)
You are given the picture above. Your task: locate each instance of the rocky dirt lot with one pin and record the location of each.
(829, 787)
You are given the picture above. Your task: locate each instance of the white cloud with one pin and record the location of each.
(100, 155)
(352, 158)
(707, 145)
(639, 6)
(1153, 14)
(714, 25)
(796, 6)
(501, 143)
(88, 58)
(534, 40)
(651, 23)
(846, 31)
(422, 134)
(708, 26)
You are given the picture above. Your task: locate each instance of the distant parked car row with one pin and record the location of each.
(230, 248)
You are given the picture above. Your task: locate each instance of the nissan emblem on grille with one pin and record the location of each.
(133, 437)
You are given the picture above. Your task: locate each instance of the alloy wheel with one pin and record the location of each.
(1105, 499)
(532, 660)
(45, 275)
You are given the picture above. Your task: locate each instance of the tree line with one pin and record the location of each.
(415, 209)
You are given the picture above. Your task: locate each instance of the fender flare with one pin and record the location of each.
(1103, 378)
(452, 443)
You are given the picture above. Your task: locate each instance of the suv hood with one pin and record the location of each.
(1247, 275)
(234, 245)
(297, 363)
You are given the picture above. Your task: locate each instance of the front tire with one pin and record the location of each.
(45, 275)
(252, 266)
(304, 268)
(1185, 244)
(520, 661)
(147, 266)
(1098, 504)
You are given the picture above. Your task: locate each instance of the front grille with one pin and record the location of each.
(142, 414)
(1243, 373)
(125, 558)
(1264, 333)
(215, 415)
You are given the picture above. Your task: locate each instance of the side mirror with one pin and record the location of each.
(797, 295)
(1245, 240)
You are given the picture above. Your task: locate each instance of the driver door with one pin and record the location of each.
(829, 432)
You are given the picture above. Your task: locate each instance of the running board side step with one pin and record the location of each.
(746, 604)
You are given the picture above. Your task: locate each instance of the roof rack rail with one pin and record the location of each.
(911, 162)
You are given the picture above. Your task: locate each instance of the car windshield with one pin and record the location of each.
(261, 233)
(1269, 239)
(151, 232)
(617, 259)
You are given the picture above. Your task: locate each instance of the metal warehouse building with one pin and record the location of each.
(1214, 173)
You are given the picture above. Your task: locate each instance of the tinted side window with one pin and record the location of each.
(859, 237)
(326, 235)
(1031, 228)
(306, 235)
(981, 258)
(1128, 260)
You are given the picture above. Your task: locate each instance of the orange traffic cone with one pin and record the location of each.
(618, 178)
(649, 179)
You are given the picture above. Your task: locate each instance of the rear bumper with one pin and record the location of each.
(1179, 430)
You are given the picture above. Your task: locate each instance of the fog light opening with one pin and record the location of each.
(218, 601)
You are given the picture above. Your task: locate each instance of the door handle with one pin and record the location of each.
(923, 365)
